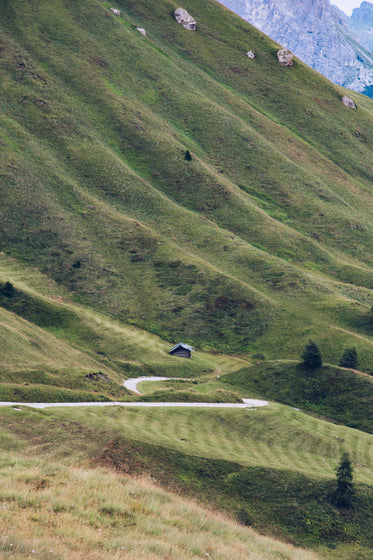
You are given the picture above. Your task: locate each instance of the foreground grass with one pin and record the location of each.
(61, 512)
(275, 435)
(273, 470)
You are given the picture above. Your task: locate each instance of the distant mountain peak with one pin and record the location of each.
(318, 33)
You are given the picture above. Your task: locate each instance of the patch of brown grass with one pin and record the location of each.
(51, 511)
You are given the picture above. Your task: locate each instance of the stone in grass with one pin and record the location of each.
(285, 57)
(115, 11)
(250, 54)
(347, 101)
(142, 31)
(185, 19)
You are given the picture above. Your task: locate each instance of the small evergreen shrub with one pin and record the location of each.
(349, 358)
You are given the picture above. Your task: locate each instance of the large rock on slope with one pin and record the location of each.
(285, 57)
(316, 32)
(185, 19)
(347, 101)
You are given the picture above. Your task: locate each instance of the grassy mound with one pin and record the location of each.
(341, 394)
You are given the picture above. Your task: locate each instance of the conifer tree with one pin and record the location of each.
(7, 290)
(343, 495)
(311, 357)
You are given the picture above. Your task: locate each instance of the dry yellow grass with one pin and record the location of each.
(52, 511)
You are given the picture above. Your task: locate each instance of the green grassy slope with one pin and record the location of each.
(341, 394)
(54, 349)
(260, 241)
(116, 247)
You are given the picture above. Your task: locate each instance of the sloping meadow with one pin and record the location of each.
(269, 223)
(271, 469)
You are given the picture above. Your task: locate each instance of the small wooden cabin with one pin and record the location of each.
(181, 350)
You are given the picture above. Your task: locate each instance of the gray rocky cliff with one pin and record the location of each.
(317, 33)
(361, 23)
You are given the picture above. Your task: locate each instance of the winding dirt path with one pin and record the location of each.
(247, 403)
(131, 385)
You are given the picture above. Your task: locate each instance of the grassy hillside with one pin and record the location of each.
(341, 394)
(114, 246)
(95, 512)
(54, 349)
(258, 242)
(271, 469)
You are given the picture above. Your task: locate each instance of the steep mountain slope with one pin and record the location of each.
(263, 239)
(361, 22)
(317, 32)
(111, 236)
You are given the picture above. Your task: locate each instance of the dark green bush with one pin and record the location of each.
(349, 358)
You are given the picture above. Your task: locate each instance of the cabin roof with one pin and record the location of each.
(182, 345)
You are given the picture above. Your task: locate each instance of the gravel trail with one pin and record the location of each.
(131, 385)
(247, 403)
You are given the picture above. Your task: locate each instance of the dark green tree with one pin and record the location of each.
(343, 494)
(7, 290)
(188, 156)
(349, 358)
(311, 357)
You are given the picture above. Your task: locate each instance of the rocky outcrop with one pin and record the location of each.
(361, 22)
(185, 19)
(317, 33)
(285, 57)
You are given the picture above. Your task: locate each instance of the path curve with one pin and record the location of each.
(131, 384)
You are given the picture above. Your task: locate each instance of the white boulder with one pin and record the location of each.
(250, 54)
(185, 19)
(142, 31)
(115, 11)
(285, 57)
(347, 101)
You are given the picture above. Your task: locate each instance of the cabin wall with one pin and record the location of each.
(181, 353)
